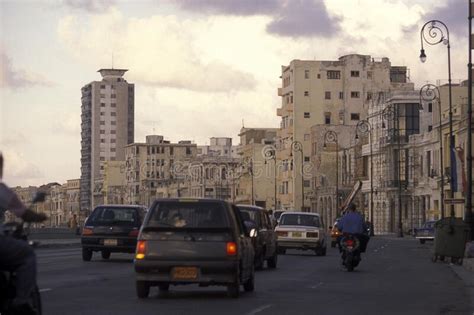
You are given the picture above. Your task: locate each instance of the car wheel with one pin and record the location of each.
(164, 287)
(105, 254)
(260, 259)
(249, 285)
(143, 289)
(422, 241)
(281, 251)
(272, 262)
(86, 254)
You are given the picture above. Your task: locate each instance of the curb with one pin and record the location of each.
(57, 245)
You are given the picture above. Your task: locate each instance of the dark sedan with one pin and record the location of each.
(111, 228)
(200, 241)
(266, 241)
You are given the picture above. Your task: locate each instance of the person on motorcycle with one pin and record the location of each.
(353, 223)
(16, 255)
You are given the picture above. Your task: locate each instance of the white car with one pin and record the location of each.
(301, 230)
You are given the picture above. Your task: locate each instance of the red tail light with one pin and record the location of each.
(133, 233)
(349, 242)
(231, 249)
(141, 248)
(282, 233)
(87, 231)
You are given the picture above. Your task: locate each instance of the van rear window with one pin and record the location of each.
(188, 215)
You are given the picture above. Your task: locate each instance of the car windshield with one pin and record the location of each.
(300, 219)
(114, 216)
(188, 215)
(248, 213)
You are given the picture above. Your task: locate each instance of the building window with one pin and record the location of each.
(102, 140)
(306, 74)
(355, 74)
(113, 96)
(113, 140)
(112, 149)
(319, 76)
(188, 151)
(369, 96)
(307, 115)
(102, 95)
(112, 87)
(327, 118)
(355, 116)
(306, 136)
(369, 75)
(333, 75)
(430, 128)
(306, 158)
(430, 107)
(113, 114)
(113, 105)
(113, 132)
(102, 104)
(341, 95)
(355, 94)
(102, 122)
(327, 95)
(102, 132)
(113, 123)
(102, 113)
(307, 183)
(306, 93)
(171, 150)
(291, 98)
(102, 86)
(102, 158)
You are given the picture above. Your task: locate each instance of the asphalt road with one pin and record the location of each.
(395, 277)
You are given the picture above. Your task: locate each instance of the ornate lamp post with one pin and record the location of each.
(331, 137)
(269, 153)
(297, 146)
(364, 127)
(390, 114)
(433, 33)
(430, 93)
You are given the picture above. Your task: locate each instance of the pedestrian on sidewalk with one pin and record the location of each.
(74, 225)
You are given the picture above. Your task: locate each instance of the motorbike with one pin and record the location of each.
(350, 251)
(20, 231)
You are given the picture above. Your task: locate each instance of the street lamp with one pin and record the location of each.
(270, 154)
(297, 146)
(430, 93)
(388, 114)
(364, 127)
(433, 33)
(331, 137)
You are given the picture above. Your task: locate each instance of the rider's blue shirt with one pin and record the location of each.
(352, 223)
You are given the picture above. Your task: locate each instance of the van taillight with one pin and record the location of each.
(141, 247)
(87, 231)
(231, 249)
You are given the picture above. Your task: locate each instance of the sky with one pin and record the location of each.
(201, 68)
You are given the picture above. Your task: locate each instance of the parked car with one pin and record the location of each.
(335, 233)
(426, 232)
(265, 243)
(194, 241)
(110, 229)
(301, 230)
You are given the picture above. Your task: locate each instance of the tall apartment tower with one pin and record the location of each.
(107, 126)
(315, 92)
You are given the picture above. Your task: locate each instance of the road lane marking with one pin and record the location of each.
(45, 290)
(259, 309)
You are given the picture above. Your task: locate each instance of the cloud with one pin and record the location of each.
(454, 14)
(159, 50)
(18, 171)
(300, 18)
(18, 78)
(91, 6)
(295, 18)
(69, 123)
(230, 7)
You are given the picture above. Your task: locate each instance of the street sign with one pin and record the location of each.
(454, 201)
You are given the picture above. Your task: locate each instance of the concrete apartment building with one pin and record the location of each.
(153, 164)
(325, 92)
(219, 146)
(259, 168)
(107, 126)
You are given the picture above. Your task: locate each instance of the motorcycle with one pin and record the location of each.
(19, 231)
(350, 249)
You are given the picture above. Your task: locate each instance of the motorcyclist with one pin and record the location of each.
(353, 223)
(16, 255)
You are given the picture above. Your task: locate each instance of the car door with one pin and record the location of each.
(245, 244)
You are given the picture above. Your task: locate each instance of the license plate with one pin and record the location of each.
(296, 234)
(111, 242)
(185, 273)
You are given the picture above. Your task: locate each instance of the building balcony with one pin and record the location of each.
(280, 112)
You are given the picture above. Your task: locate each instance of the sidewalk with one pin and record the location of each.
(57, 243)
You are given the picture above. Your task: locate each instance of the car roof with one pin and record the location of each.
(250, 207)
(300, 212)
(120, 206)
(185, 199)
